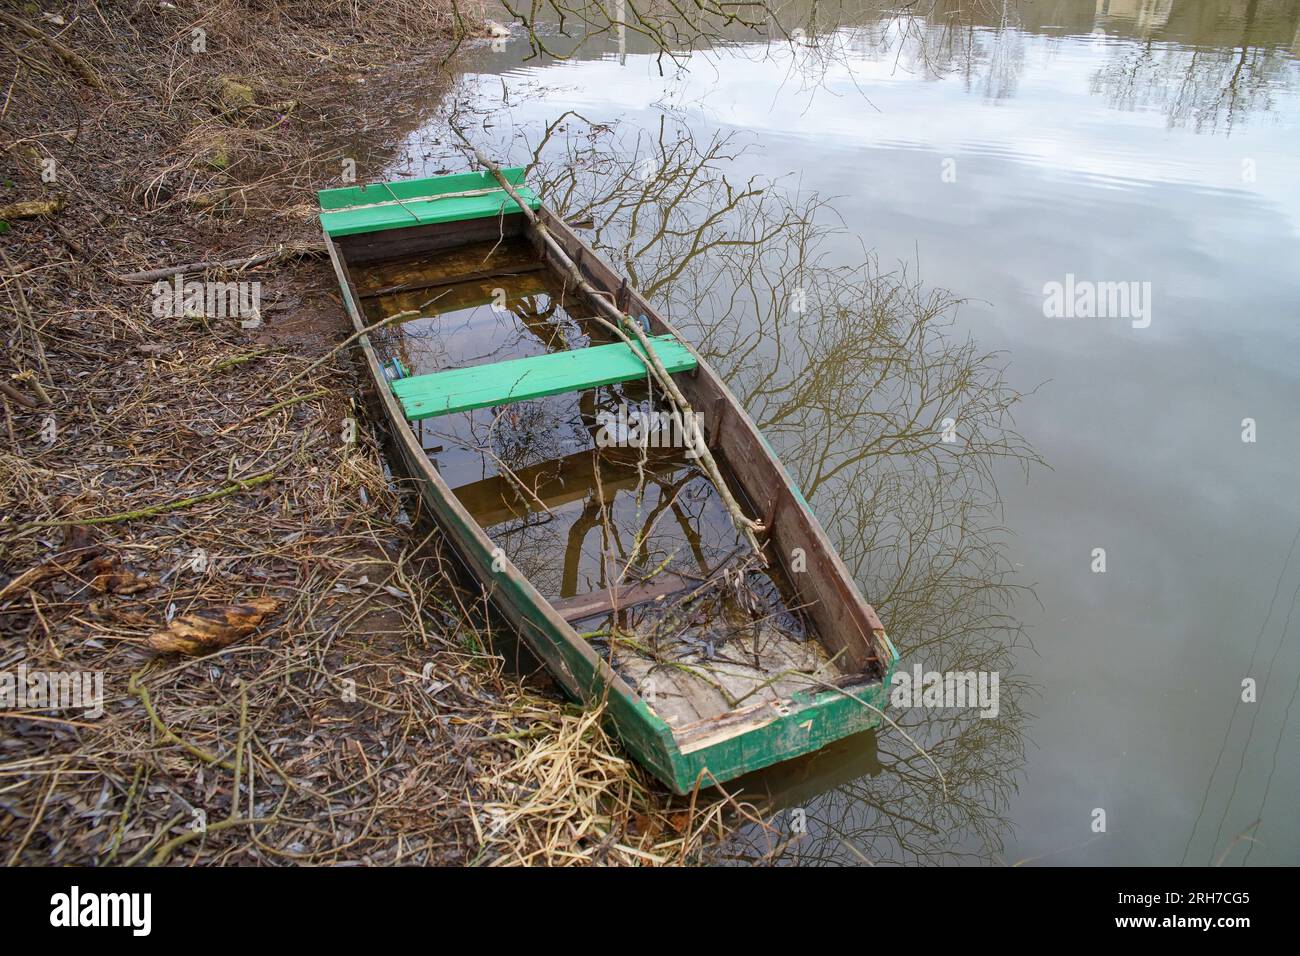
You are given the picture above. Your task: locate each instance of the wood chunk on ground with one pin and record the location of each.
(211, 629)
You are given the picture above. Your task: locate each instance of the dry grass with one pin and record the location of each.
(569, 798)
(175, 470)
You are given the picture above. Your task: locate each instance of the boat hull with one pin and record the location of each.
(726, 747)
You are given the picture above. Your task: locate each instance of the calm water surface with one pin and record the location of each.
(987, 152)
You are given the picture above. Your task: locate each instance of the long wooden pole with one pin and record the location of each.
(616, 322)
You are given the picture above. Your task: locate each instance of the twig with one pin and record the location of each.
(139, 854)
(126, 812)
(240, 359)
(397, 316)
(134, 687)
(152, 275)
(239, 484)
(42, 396)
(175, 843)
(943, 781)
(24, 400)
(319, 393)
(71, 58)
(646, 354)
(37, 817)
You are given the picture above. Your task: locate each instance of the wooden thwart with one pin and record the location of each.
(624, 596)
(518, 380)
(552, 485)
(419, 202)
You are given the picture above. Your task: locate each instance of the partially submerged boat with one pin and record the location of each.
(541, 440)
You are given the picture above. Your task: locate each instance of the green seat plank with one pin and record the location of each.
(517, 380)
(419, 202)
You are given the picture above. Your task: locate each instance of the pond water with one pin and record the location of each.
(860, 223)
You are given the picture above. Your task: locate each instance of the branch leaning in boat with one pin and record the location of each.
(618, 324)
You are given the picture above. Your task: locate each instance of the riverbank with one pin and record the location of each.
(203, 479)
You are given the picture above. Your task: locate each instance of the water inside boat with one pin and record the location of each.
(632, 545)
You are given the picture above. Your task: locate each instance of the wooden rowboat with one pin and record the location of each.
(612, 553)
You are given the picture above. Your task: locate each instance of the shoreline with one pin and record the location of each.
(208, 483)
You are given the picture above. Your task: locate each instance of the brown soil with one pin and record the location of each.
(180, 472)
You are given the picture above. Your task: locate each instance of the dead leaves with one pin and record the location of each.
(108, 578)
(33, 576)
(77, 547)
(210, 629)
(653, 825)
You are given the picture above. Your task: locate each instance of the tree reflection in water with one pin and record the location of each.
(851, 370)
(854, 374)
